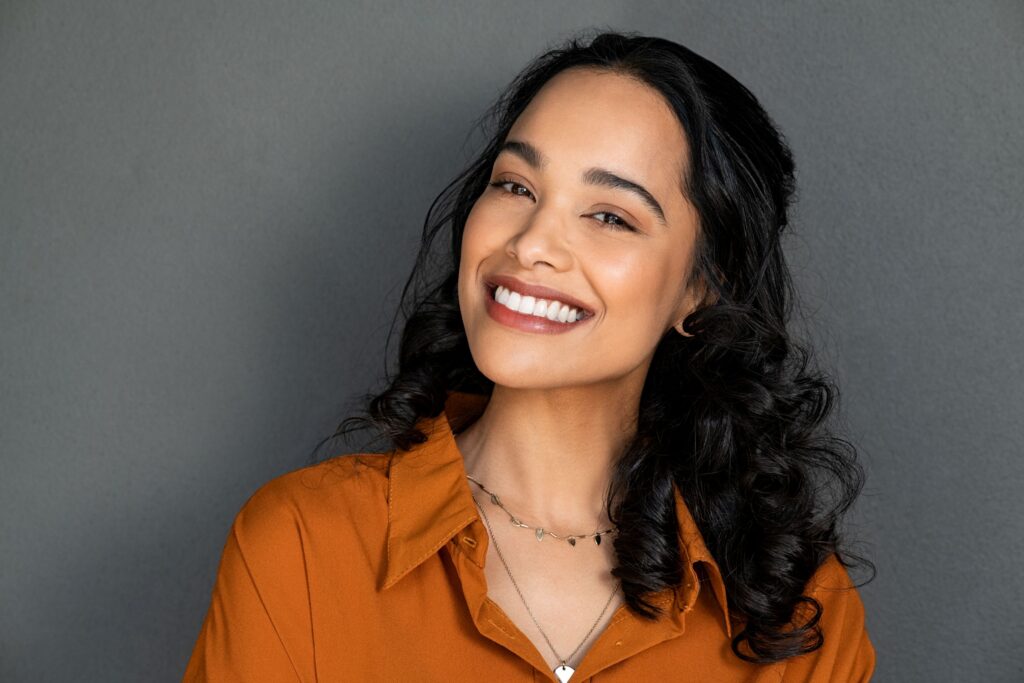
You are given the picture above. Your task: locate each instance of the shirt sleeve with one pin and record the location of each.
(847, 653)
(258, 625)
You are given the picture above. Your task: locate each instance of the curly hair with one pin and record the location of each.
(734, 414)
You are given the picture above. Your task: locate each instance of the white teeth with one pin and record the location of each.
(542, 308)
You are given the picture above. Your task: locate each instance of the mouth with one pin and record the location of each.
(565, 304)
(537, 293)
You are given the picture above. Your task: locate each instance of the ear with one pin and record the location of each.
(698, 295)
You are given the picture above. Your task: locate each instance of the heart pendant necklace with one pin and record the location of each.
(563, 671)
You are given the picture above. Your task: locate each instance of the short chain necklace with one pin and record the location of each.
(563, 671)
(541, 532)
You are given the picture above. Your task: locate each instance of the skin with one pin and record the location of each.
(564, 406)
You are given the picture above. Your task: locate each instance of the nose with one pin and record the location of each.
(541, 239)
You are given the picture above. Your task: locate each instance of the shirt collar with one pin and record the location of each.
(429, 501)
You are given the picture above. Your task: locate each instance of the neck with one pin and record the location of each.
(549, 453)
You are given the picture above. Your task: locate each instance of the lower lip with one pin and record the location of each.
(526, 323)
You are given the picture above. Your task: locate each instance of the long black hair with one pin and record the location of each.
(735, 414)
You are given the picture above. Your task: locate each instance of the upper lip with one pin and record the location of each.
(536, 291)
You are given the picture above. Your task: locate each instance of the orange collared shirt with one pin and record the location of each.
(371, 568)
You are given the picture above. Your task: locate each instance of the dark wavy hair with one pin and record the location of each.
(734, 414)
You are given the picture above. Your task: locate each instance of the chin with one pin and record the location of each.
(523, 373)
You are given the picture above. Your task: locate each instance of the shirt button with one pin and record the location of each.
(469, 540)
(618, 642)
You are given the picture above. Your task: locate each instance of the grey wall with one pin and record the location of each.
(207, 209)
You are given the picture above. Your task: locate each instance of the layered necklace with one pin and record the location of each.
(563, 671)
(540, 532)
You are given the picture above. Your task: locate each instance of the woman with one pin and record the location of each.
(605, 455)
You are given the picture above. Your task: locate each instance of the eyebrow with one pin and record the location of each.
(592, 176)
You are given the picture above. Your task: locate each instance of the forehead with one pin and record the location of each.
(584, 117)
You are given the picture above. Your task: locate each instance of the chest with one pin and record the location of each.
(561, 598)
(457, 616)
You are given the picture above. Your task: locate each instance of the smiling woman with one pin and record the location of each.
(605, 356)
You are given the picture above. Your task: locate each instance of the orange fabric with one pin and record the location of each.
(340, 572)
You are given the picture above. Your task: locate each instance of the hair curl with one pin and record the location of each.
(734, 414)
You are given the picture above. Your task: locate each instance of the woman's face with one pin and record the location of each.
(556, 216)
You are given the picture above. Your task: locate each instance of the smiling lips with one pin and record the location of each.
(542, 308)
(532, 308)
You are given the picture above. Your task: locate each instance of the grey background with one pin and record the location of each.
(207, 210)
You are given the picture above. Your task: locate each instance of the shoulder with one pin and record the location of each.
(842, 610)
(830, 577)
(841, 604)
(847, 653)
(316, 498)
(292, 527)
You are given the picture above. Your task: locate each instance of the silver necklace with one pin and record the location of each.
(563, 671)
(540, 532)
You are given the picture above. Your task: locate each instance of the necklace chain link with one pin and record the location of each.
(541, 532)
(515, 585)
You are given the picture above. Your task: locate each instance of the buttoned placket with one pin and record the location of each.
(625, 635)
(468, 551)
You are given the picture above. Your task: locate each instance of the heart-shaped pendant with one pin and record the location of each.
(564, 672)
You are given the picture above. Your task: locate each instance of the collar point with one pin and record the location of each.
(387, 581)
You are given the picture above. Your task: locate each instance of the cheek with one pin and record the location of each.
(475, 249)
(628, 278)
(638, 290)
(475, 233)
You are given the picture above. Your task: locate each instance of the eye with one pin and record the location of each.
(616, 221)
(515, 187)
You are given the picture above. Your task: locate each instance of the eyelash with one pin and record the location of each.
(622, 225)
